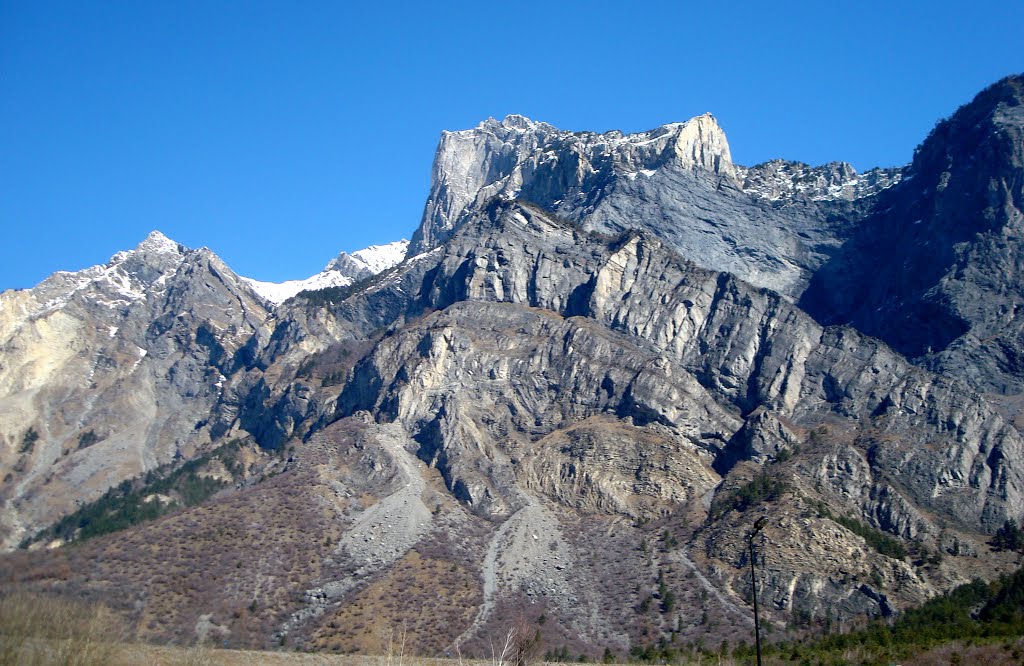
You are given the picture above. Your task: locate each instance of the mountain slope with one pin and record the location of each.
(742, 347)
(525, 354)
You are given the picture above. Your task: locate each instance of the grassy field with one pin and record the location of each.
(37, 630)
(999, 653)
(995, 653)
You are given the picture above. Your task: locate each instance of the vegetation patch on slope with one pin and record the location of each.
(762, 488)
(431, 600)
(158, 493)
(881, 542)
(977, 612)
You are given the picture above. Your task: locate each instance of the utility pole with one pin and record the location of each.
(758, 526)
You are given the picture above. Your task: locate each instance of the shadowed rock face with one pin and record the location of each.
(933, 268)
(594, 338)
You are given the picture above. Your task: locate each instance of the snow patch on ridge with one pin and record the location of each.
(382, 257)
(340, 272)
(375, 259)
(279, 292)
(781, 180)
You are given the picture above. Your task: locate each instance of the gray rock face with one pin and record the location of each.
(519, 158)
(714, 223)
(483, 385)
(114, 368)
(749, 349)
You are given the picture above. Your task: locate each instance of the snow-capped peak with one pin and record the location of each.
(127, 277)
(342, 271)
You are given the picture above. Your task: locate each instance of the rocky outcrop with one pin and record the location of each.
(772, 371)
(484, 388)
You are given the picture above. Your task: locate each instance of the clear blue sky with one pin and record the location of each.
(279, 133)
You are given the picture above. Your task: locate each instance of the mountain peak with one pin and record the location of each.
(157, 243)
(369, 261)
(516, 121)
(990, 125)
(701, 142)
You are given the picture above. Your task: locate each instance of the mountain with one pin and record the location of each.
(109, 372)
(771, 225)
(600, 360)
(113, 371)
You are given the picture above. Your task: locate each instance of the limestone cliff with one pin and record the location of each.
(771, 225)
(520, 158)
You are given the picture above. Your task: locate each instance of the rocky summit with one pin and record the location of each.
(600, 359)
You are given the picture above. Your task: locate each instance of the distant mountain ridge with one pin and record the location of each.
(341, 271)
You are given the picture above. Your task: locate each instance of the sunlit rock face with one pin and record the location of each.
(520, 158)
(770, 225)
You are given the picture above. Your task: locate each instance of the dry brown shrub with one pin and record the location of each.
(525, 645)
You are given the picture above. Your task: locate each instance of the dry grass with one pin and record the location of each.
(995, 654)
(50, 630)
(171, 656)
(40, 630)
